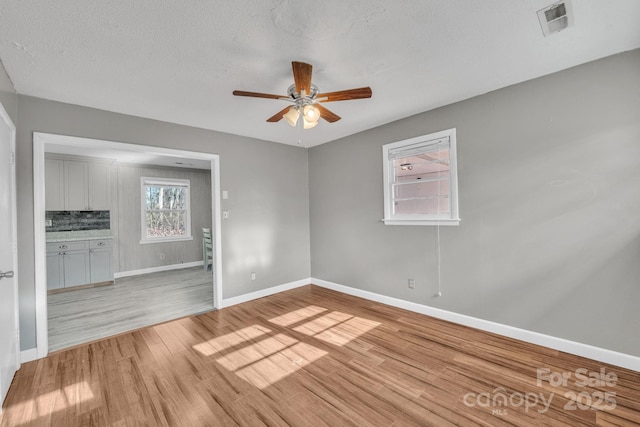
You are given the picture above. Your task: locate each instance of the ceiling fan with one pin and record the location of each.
(306, 99)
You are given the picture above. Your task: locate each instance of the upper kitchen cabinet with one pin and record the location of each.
(77, 185)
(99, 175)
(54, 184)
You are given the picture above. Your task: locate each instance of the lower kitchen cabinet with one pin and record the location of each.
(78, 263)
(76, 268)
(100, 261)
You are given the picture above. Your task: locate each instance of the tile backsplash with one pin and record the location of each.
(77, 220)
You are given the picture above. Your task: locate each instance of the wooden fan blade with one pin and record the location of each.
(302, 76)
(278, 116)
(345, 95)
(327, 114)
(256, 94)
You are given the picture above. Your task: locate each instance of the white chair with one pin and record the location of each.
(207, 248)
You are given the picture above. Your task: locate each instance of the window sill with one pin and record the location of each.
(166, 240)
(443, 222)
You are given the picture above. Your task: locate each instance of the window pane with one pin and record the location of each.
(422, 206)
(428, 197)
(429, 165)
(165, 197)
(166, 224)
(422, 183)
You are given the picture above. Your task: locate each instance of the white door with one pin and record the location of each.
(9, 340)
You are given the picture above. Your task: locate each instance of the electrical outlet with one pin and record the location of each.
(412, 284)
(161, 255)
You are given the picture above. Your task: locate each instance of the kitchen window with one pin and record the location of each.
(166, 214)
(420, 180)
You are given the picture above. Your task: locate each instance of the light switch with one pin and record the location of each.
(225, 194)
(225, 214)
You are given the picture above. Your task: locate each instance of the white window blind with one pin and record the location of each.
(420, 180)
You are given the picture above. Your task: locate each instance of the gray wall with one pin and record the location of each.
(268, 228)
(549, 180)
(135, 256)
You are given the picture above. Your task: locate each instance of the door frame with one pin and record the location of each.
(40, 140)
(4, 116)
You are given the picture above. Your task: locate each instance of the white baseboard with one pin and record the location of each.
(28, 355)
(591, 352)
(157, 269)
(227, 302)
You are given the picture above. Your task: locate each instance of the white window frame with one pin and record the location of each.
(413, 145)
(169, 182)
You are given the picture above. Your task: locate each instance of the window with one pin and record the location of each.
(420, 180)
(166, 212)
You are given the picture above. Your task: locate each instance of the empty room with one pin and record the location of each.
(320, 213)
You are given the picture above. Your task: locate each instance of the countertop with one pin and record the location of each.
(70, 236)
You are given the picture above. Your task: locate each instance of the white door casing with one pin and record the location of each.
(9, 327)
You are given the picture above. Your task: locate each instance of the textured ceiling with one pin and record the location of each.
(179, 61)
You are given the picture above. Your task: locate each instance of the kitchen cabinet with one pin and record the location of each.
(98, 188)
(100, 259)
(55, 270)
(76, 196)
(78, 263)
(54, 184)
(77, 185)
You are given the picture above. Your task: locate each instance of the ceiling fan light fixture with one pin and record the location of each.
(311, 113)
(292, 116)
(307, 124)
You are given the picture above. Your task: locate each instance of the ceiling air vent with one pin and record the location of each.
(556, 17)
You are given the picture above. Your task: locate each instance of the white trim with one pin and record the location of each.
(157, 269)
(166, 240)
(264, 292)
(40, 246)
(443, 222)
(591, 352)
(39, 141)
(11, 127)
(29, 355)
(217, 231)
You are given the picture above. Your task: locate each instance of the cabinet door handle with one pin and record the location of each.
(63, 246)
(90, 251)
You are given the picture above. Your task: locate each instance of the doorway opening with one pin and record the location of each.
(129, 160)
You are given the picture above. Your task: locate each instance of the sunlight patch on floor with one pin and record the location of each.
(224, 342)
(347, 331)
(60, 399)
(264, 358)
(255, 352)
(337, 328)
(279, 365)
(322, 323)
(297, 315)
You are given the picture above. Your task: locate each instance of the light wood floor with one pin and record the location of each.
(312, 357)
(84, 315)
